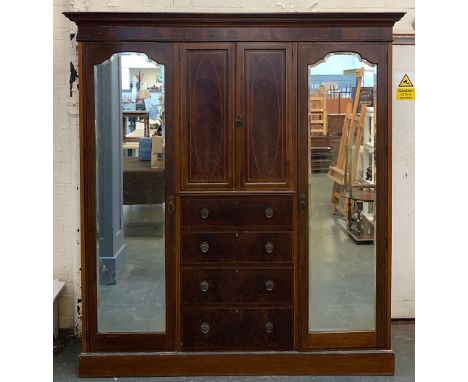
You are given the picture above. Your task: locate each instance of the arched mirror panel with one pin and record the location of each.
(130, 194)
(342, 214)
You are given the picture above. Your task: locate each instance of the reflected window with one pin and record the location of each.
(342, 129)
(130, 194)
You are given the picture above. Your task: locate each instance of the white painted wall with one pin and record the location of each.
(403, 188)
(66, 172)
(66, 160)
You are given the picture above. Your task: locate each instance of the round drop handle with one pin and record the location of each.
(269, 212)
(204, 247)
(204, 286)
(269, 247)
(269, 327)
(204, 328)
(204, 213)
(269, 285)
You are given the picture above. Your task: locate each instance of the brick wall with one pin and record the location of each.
(65, 219)
(66, 160)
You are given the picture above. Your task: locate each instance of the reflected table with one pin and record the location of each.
(142, 184)
(126, 114)
(359, 226)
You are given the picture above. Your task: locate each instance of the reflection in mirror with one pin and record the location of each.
(130, 194)
(342, 129)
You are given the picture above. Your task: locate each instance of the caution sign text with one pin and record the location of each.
(403, 94)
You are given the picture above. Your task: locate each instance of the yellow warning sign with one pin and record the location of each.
(405, 90)
(405, 94)
(405, 82)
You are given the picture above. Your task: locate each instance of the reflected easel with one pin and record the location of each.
(351, 140)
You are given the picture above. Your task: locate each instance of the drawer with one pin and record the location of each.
(246, 211)
(253, 329)
(237, 286)
(206, 247)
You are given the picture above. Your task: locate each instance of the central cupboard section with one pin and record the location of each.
(236, 118)
(236, 192)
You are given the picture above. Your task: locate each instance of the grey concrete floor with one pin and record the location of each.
(136, 303)
(66, 365)
(341, 271)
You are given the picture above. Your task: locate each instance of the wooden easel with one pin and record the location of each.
(344, 172)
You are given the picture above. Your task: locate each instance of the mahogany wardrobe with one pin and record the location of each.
(235, 193)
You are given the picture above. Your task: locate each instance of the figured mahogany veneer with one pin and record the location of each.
(236, 285)
(236, 247)
(221, 294)
(237, 329)
(207, 119)
(237, 211)
(265, 78)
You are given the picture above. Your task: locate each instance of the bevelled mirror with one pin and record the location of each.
(130, 194)
(342, 215)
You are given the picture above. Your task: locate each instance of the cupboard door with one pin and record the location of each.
(207, 97)
(343, 255)
(129, 182)
(264, 115)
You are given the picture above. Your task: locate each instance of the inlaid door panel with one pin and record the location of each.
(264, 118)
(207, 99)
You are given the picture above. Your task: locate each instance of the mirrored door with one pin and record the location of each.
(134, 203)
(130, 194)
(339, 186)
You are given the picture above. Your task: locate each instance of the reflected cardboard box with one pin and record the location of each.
(144, 148)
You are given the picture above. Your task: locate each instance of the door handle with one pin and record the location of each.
(171, 206)
(302, 203)
(239, 122)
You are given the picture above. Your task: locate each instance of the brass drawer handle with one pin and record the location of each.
(269, 212)
(204, 213)
(204, 328)
(204, 286)
(269, 285)
(269, 327)
(204, 247)
(269, 247)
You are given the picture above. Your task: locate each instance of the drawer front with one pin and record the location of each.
(208, 247)
(248, 211)
(208, 212)
(253, 329)
(237, 285)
